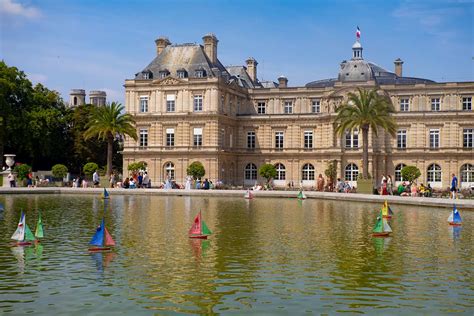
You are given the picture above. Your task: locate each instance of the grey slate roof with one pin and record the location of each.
(240, 75)
(190, 57)
(381, 76)
(269, 84)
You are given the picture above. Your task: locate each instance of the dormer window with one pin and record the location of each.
(182, 73)
(164, 73)
(147, 75)
(200, 73)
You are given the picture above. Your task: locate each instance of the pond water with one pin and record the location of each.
(266, 256)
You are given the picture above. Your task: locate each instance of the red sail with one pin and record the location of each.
(109, 241)
(196, 227)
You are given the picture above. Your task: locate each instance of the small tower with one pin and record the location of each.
(210, 46)
(77, 97)
(357, 50)
(97, 97)
(252, 68)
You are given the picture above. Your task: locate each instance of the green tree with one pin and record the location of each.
(137, 166)
(89, 168)
(196, 170)
(59, 171)
(331, 172)
(365, 110)
(22, 170)
(268, 171)
(108, 123)
(410, 173)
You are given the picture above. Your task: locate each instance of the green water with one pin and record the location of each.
(266, 256)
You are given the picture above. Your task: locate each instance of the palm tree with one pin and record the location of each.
(107, 122)
(365, 110)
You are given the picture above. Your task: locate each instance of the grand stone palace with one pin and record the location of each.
(189, 107)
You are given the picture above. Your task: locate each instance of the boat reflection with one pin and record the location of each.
(102, 259)
(456, 232)
(199, 247)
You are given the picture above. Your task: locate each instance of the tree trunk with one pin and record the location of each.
(110, 147)
(365, 151)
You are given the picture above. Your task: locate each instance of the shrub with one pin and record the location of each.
(410, 173)
(89, 168)
(59, 171)
(22, 171)
(268, 171)
(196, 170)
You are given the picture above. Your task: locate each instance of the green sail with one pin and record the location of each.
(39, 228)
(28, 234)
(379, 225)
(205, 230)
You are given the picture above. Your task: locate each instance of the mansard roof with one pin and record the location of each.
(190, 57)
(240, 75)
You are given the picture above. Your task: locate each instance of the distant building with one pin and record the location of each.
(78, 97)
(189, 107)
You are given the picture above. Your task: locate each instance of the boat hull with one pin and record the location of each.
(198, 236)
(22, 243)
(384, 234)
(387, 216)
(95, 249)
(454, 224)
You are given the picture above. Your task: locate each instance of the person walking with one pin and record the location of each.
(454, 186)
(96, 179)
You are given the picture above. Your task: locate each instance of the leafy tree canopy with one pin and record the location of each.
(196, 170)
(137, 166)
(59, 171)
(410, 173)
(268, 171)
(89, 168)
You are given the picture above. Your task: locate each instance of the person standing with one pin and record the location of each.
(454, 185)
(112, 180)
(146, 180)
(96, 179)
(390, 185)
(11, 179)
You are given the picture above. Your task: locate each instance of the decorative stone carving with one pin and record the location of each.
(169, 81)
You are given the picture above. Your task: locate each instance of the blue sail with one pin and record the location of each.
(456, 215)
(98, 238)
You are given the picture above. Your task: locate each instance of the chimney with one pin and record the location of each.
(252, 68)
(282, 82)
(161, 43)
(398, 67)
(210, 46)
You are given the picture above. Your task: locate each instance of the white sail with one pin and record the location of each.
(386, 226)
(19, 233)
(450, 218)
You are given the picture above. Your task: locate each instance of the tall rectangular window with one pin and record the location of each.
(435, 104)
(143, 104)
(279, 138)
(197, 136)
(288, 108)
(261, 108)
(308, 139)
(402, 138)
(197, 103)
(404, 105)
(468, 138)
(467, 103)
(143, 137)
(316, 106)
(251, 140)
(352, 139)
(434, 138)
(170, 103)
(170, 137)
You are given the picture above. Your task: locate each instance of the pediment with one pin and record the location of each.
(168, 81)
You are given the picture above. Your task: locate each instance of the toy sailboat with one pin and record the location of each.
(105, 195)
(199, 228)
(102, 240)
(23, 234)
(39, 233)
(381, 228)
(454, 218)
(386, 210)
(301, 196)
(248, 195)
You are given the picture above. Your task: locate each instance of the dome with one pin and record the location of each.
(355, 70)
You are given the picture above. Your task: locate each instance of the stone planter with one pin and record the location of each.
(365, 186)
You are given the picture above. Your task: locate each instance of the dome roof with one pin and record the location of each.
(355, 70)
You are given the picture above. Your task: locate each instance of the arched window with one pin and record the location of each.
(398, 172)
(434, 173)
(308, 172)
(75, 100)
(250, 172)
(280, 171)
(169, 170)
(467, 173)
(351, 172)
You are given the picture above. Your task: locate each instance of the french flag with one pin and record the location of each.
(358, 32)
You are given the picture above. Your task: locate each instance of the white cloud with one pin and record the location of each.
(10, 7)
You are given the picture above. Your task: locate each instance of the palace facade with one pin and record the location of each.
(189, 107)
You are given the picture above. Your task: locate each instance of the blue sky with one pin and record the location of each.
(96, 45)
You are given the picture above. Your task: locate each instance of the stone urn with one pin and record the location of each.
(9, 160)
